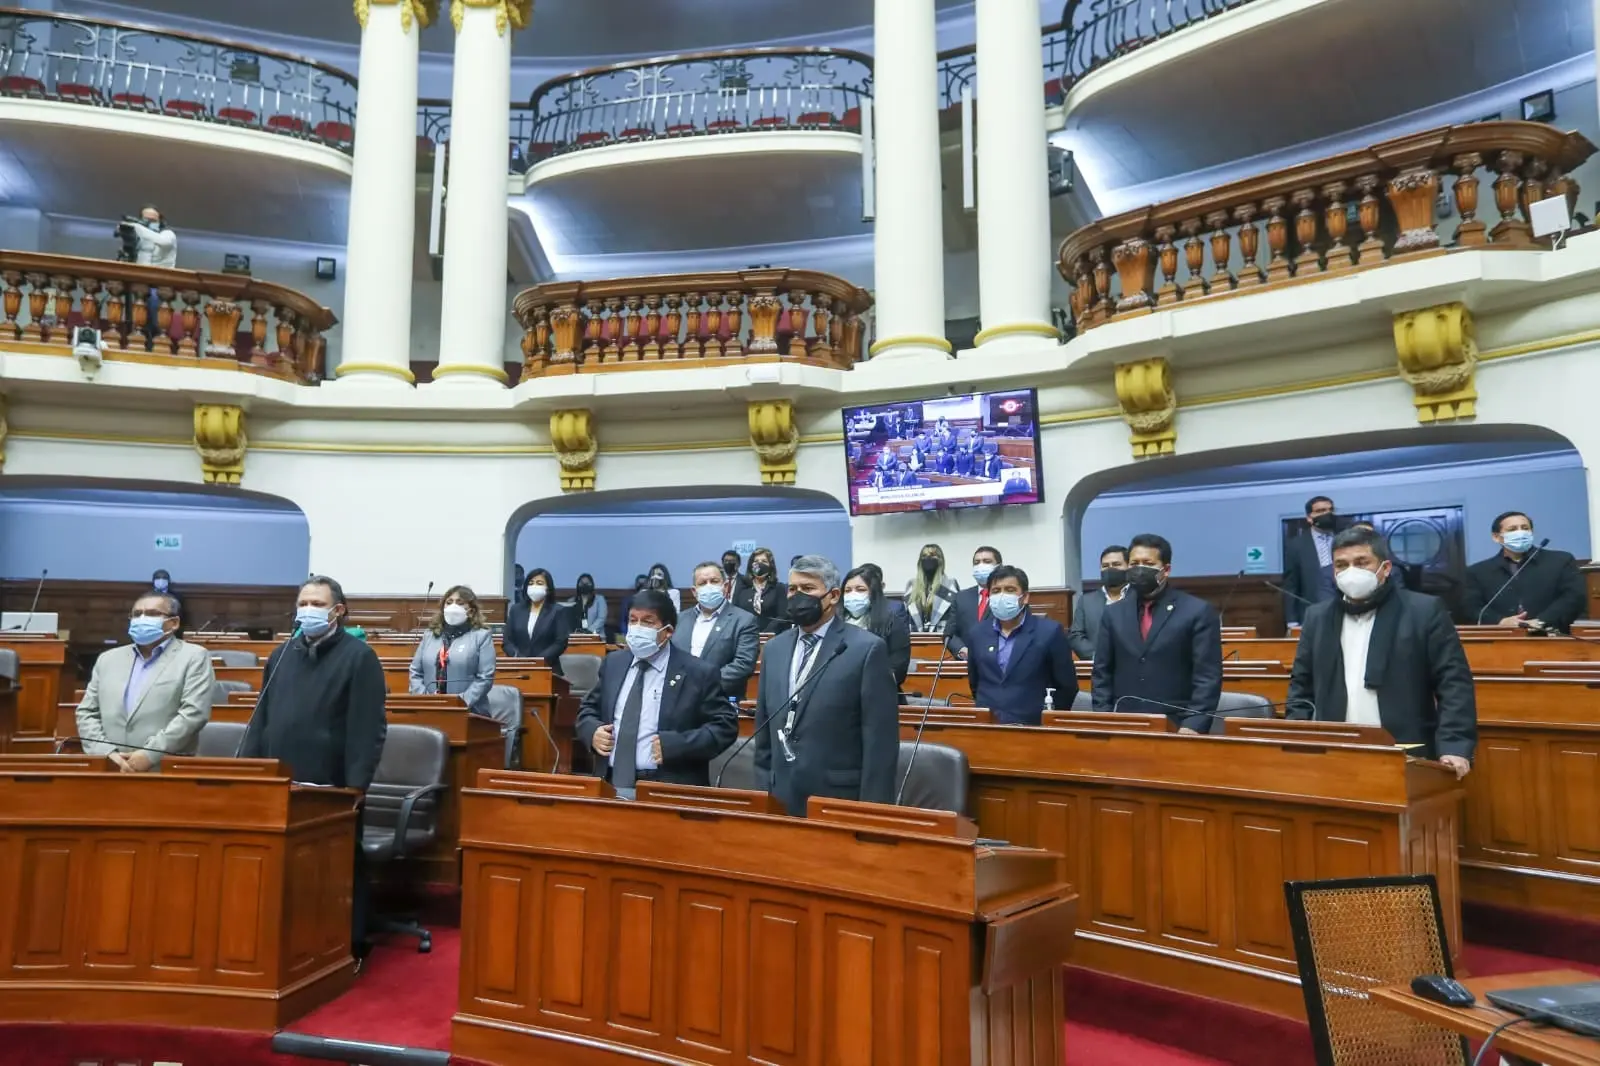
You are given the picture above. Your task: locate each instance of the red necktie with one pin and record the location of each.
(1147, 616)
(983, 602)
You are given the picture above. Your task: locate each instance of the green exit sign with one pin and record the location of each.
(169, 542)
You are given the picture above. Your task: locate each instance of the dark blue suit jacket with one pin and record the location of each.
(696, 724)
(1180, 664)
(1041, 658)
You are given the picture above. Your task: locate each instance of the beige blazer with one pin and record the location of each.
(168, 715)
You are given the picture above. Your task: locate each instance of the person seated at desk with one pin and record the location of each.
(726, 637)
(1523, 584)
(658, 713)
(866, 607)
(154, 693)
(456, 653)
(1013, 658)
(539, 628)
(1380, 654)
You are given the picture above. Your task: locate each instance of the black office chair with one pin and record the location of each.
(219, 740)
(1239, 705)
(401, 816)
(938, 780)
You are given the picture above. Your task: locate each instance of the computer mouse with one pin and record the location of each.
(1441, 989)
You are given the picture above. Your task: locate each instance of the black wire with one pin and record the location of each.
(1477, 1060)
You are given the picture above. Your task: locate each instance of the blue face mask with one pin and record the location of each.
(981, 572)
(1518, 540)
(146, 630)
(856, 603)
(314, 621)
(643, 641)
(160, 584)
(1005, 605)
(709, 596)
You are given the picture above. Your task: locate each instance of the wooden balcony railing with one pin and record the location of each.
(1347, 212)
(197, 315)
(691, 320)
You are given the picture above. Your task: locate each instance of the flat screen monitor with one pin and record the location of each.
(980, 450)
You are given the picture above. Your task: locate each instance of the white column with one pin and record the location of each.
(472, 331)
(1013, 187)
(908, 235)
(375, 344)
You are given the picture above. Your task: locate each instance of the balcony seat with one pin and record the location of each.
(238, 116)
(293, 124)
(724, 125)
(679, 129)
(17, 85)
(584, 140)
(186, 109)
(851, 119)
(770, 122)
(541, 149)
(818, 118)
(72, 92)
(337, 133)
(638, 133)
(134, 102)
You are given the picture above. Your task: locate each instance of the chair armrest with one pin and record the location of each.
(403, 821)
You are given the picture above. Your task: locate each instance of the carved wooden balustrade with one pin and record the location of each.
(215, 319)
(691, 320)
(1321, 219)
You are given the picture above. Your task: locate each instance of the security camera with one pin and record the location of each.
(87, 346)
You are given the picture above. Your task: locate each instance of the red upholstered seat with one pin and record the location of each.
(186, 108)
(17, 85)
(851, 119)
(583, 140)
(818, 118)
(769, 123)
(73, 92)
(286, 124)
(679, 128)
(637, 133)
(724, 124)
(541, 149)
(335, 133)
(136, 101)
(238, 115)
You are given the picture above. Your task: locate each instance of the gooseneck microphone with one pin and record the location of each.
(1222, 612)
(32, 607)
(792, 701)
(916, 745)
(1286, 592)
(290, 647)
(1514, 575)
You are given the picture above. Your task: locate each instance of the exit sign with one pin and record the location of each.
(169, 542)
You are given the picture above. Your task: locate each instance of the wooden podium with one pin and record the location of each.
(44, 679)
(214, 893)
(1179, 845)
(692, 927)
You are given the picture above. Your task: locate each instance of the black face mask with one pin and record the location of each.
(1113, 578)
(1325, 523)
(930, 565)
(1144, 580)
(805, 610)
(657, 581)
(584, 588)
(730, 567)
(761, 569)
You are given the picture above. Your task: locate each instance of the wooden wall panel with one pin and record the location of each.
(638, 960)
(1119, 859)
(43, 932)
(779, 985)
(114, 882)
(181, 880)
(1191, 869)
(1574, 783)
(566, 988)
(1263, 853)
(1503, 816)
(706, 964)
(855, 978)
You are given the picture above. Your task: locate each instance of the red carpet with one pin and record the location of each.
(401, 997)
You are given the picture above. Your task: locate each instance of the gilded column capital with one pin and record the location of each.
(507, 13)
(219, 438)
(776, 440)
(1149, 406)
(572, 434)
(1437, 350)
(423, 11)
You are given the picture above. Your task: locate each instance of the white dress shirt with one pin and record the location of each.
(703, 625)
(649, 710)
(1360, 702)
(797, 675)
(534, 610)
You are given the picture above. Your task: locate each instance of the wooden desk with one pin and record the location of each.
(595, 931)
(1179, 845)
(211, 894)
(1523, 1043)
(548, 698)
(44, 677)
(8, 712)
(475, 744)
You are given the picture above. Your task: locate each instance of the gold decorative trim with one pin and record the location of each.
(776, 439)
(219, 437)
(472, 368)
(513, 14)
(1149, 406)
(424, 11)
(1437, 350)
(573, 437)
(1014, 329)
(910, 340)
(375, 368)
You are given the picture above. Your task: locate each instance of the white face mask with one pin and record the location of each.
(1356, 584)
(454, 614)
(537, 593)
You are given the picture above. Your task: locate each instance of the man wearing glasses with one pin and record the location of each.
(150, 696)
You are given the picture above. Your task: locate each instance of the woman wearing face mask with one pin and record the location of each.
(588, 608)
(539, 628)
(660, 579)
(764, 594)
(930, 595)
(456, 654)
(866, 607)
(161, 582)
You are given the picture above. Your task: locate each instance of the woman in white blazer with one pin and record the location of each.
(459, 648)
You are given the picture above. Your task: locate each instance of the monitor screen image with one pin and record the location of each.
(980, 450)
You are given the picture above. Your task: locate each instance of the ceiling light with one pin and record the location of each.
(1540, 107)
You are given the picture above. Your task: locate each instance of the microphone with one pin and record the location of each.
(1490, 602)
(35, 604)
(1286, 592)
(1286, 705)
(289, 648)
(916, 745)
(1232, 654)
(792, 701)
(1222, 612)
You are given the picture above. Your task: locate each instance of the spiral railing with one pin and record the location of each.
(700, 94)
(1098, 31)
(129, 67)
(958, 68)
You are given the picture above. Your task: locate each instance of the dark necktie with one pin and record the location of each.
(625, 755)
(809, 646)
(1147, 616)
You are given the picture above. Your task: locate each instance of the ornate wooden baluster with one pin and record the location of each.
(89, 302)
(1507, 194)
(691, 325)
(671, 346)
(1567, 186)
(190, 317)
(1309, 261)
(764, 311)
(116, 332)
(1368, 215)
(284, 355)
(1221, 279)
(1336, 220)
(13, 303)
(163, 340)
(1194, 259)
(1101, 310)
(38, 297)
(1167, 255)
(1249, 242)
(1082, 291)
(1135, 262)
(652, 327)
(1472, 232)
(733, 324)
(632, 320)
(564, 340)
(1412, 195)
(713, 319)
(822, 327)
(1277, 239)
(836, 335)
(540, 333)
(793, 322)
(849, 336)
(1533, 185)
(140, 305)
(61, 315)
(602, 331)
(259, 310)
(222, 329)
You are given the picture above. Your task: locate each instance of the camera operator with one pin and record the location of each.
(146, 240)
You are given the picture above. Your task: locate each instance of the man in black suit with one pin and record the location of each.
(1381, 654)
(1308, 560)
(1017, 656)
(1159, 650)
(827, 710)
(1524, 584)
(718, 633)
(658, 713)
(733, 580)
(1091, 609)
(971, 609)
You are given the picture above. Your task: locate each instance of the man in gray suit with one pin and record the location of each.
(718, 633)
(152, 694)
(1092, 605)
(827, 710)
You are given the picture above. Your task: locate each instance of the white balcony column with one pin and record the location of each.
(908, 234)
(472, 331)
(1013, 186)
(375, 344)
